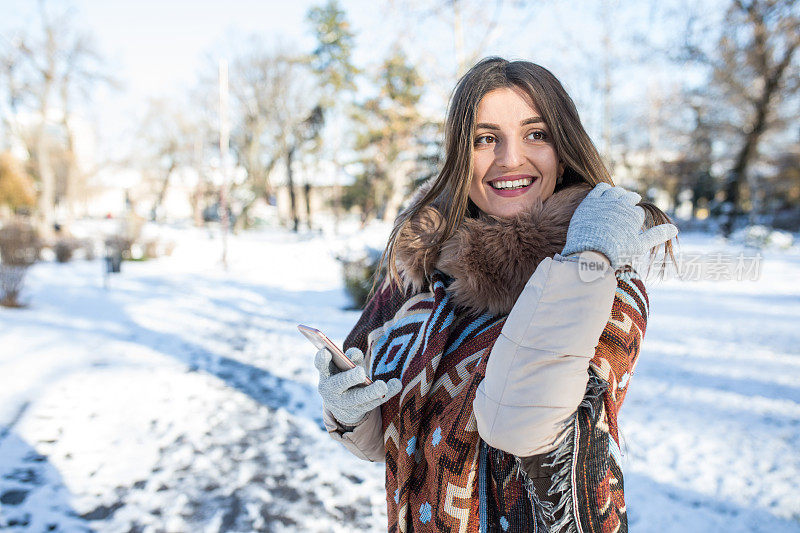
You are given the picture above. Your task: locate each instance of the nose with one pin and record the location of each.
(508, 154)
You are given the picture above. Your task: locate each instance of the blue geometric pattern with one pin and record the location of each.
(418, 328)
(627, 298)
(425, 513)
(383, 366)
(437, 436)
(401, 341)
(478, 322)
(411, 446)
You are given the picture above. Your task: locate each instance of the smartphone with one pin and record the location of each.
(320, 340)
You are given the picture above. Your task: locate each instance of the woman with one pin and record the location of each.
(503, 336)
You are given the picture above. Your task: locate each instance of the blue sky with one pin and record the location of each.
(154, 45)
(157, 48)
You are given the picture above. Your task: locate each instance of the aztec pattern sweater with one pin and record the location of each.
(437, 333)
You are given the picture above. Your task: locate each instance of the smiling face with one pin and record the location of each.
(514, 161)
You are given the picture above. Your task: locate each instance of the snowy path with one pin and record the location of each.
(713, 416)
(183, 399)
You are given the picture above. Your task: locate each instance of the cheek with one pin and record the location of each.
(481, 160)
(547, 162)
(475, 190)
(480, 164)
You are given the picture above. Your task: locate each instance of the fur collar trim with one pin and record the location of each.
(490, 259)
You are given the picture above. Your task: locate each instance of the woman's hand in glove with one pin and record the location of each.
(609, 221)
(340, 390)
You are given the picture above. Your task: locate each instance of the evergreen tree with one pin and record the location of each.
(388, 143)
(331, 60)
(332, 64)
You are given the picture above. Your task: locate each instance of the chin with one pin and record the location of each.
(510, 207)
(508, 210)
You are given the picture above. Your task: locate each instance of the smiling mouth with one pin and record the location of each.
(510, 184)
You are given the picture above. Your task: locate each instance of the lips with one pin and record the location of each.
(512, 185)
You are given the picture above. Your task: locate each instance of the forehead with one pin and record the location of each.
(507, 104)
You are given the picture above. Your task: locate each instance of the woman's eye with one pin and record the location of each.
(537, 135)
(484, 139)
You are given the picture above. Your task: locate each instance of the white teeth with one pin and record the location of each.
(512, 184)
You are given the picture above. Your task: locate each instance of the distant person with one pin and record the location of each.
(503, 336)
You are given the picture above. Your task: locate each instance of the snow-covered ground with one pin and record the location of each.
(182, 397)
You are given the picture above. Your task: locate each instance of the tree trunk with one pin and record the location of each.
(197, 210)
(290, 184)
(71, 179)
(47, 192)
(163, 192)
(71, 185)
(337, 194)
(307, 195)
(398, 179)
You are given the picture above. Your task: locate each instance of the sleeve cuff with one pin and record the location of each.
(334, 424)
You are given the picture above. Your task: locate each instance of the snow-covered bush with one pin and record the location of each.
(759, 236)
(88, 248)
(358, 271)
(64, 248)
(118, 244)
(157, 247)
(19, 249)
(780, 239)
(151, 241)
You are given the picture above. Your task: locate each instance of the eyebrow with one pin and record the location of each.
(489, 126)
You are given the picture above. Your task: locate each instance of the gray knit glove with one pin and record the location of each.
(609, 221)
(341, 394)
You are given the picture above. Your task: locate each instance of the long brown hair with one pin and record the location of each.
(450, 189)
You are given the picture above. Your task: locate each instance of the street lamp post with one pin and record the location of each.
(224, 155)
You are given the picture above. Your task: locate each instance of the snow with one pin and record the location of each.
(182, 397)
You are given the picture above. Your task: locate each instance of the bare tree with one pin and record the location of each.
(272, 96)
(256, 89)
(168, 143)
(753, 72)
(471, 27)
(83, 69)
(602, 59)
(42, 62)
(296, 118)
(41, 74)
